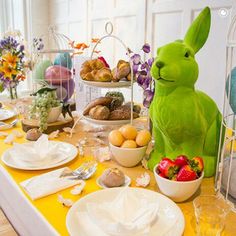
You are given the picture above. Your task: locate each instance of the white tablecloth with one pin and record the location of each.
(25, 218)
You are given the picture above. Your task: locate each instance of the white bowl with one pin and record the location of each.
(54, 114)
(178, 191)
(128, 157)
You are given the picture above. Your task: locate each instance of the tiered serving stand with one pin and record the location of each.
(112, 85)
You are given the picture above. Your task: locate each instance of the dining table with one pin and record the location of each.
(47, 216)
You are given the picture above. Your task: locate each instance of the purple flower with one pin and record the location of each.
(150, 61)
(146, 48)
(135, 69)
(22, 47)
(148, 96)
(136, 58)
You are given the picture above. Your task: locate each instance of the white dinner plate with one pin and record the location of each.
(102, 185)
(6, 114)
(107, 84)
(170, 218)
(68, 151)
(106, 122)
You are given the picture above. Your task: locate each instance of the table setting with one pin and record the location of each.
(110, 170)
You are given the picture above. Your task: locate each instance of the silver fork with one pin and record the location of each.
(82, 170)
(86, 174)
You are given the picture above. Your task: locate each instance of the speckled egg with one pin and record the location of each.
(63, 59)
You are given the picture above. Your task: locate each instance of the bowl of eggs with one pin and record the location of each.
(128, 145)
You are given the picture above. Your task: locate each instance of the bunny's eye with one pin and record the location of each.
(186, 54)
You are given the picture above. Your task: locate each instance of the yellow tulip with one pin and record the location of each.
(10, 59)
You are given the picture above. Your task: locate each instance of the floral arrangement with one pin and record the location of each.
(141, 70)
(12, 62)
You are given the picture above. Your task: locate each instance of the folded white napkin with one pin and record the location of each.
(126, 215)
(39, 153)
(48, 183)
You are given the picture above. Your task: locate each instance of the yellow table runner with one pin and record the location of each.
(55, 213)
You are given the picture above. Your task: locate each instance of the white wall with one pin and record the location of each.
(137, 21)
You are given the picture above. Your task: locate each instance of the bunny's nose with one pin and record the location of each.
(159, 64)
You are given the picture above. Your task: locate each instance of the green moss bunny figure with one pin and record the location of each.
(185, 121)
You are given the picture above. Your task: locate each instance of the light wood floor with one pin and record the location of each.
(5, 227)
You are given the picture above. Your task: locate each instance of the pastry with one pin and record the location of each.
(113, 177)
(104, 101)
(103, 75)
(89, 69)
(121, 71)
(99, 112)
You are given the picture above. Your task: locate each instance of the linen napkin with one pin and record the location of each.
(48, 183)
(126, 215)
(41, 153)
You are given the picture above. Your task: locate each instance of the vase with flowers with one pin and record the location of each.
(12, 62)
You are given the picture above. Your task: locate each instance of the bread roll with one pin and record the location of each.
(113, 177)
(99, 113)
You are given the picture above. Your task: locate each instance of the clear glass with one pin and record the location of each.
(210, 212)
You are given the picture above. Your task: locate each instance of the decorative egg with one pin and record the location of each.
(40, 68)
(61, 92)
(69, 87)
(231, 92)
(57, 74)
(63, 59)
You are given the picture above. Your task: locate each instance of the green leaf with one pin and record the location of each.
(1, 87)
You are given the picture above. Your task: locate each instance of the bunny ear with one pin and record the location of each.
(197, 33)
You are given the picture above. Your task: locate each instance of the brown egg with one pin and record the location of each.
(129, 144)
(129, 132)
(115, 138)
(143, 138)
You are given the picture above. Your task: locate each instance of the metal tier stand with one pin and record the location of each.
(109, 31)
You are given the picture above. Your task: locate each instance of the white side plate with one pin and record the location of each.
(68, 151)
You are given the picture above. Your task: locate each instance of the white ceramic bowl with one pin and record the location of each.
(178, 191)
(128, 157)
(54, 114)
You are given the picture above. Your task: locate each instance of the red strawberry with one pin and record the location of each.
(186, 173)
(197, 164)
(181, 160)
(167, 167)
(162, 175)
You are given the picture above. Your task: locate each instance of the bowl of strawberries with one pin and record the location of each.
(180, 178)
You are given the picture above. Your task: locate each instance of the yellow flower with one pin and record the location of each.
(10, 59)
(7, 70)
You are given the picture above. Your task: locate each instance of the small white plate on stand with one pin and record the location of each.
(102, 185)
(67, 151)
(119, 84)
(106, 122)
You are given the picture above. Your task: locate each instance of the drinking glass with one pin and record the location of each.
(210, 213)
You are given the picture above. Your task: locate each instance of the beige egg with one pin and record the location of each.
(129, 144)
(115, 138)
(143, 138)
(128, 132)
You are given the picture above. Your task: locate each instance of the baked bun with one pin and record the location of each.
(99, 112)
(113, 177)
(104, 101)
